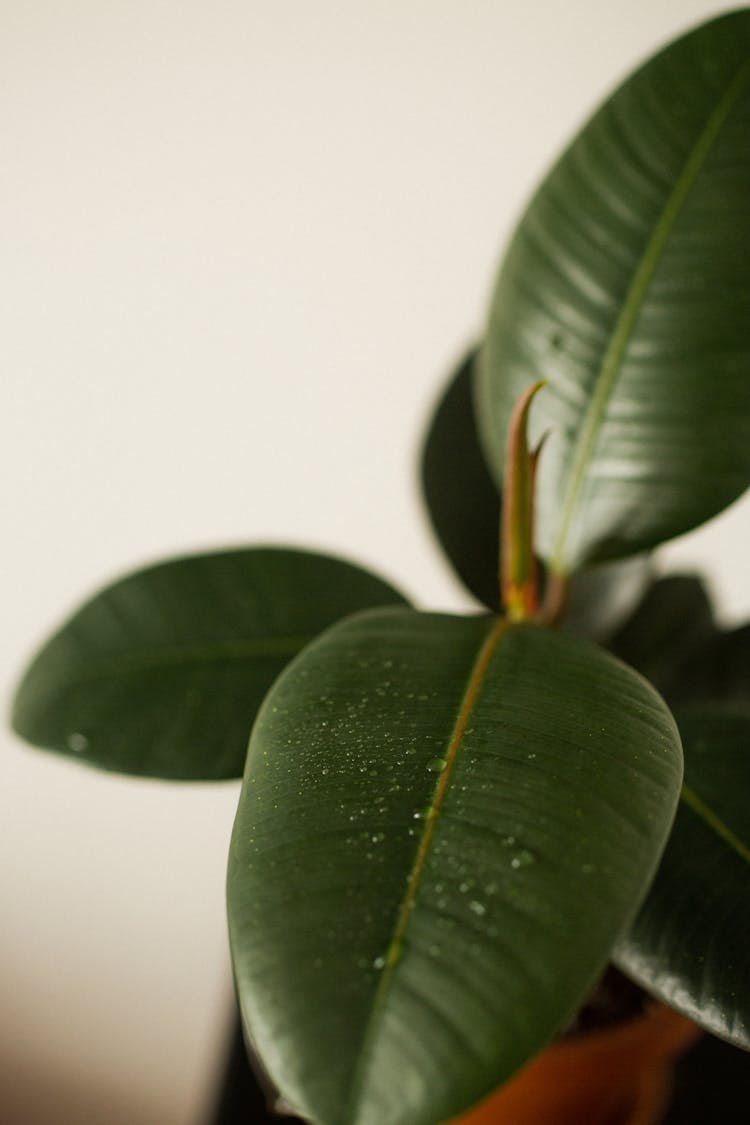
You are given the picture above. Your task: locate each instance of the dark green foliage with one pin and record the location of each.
(462, 499)
(161, 673)
(445, 822)
(626, 287)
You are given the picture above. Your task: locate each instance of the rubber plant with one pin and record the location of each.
(449, 826)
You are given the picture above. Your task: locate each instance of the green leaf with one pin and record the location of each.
(444, 825)
(464, 506)
(671, 626)
(461, 497)
(717, 671)
(673, 641)
(688, 945)
(162, 673)
(626, 288)
(602, 597)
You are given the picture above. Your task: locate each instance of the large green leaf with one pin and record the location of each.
(444, 825)
(464, 506)
(626, 287)
(162, 673)
(689, 943)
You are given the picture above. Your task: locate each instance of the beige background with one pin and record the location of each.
(242, 244)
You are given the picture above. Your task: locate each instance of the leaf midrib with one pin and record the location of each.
(635, 296)
(468, 701)
(714, 822)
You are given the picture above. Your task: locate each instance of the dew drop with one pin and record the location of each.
(78, 742)
(379, 963)
(436, 765)
(477, 908)
(523, 858)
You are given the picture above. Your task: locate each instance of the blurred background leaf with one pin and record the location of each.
(161, 673)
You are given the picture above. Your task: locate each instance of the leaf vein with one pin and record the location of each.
(468, 702)
(715, 823)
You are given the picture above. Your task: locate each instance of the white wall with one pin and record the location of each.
(242, 243)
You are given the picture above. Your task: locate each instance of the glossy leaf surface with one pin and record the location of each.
(444, 825)
(161, 674)
(465, 509)
(689, 943)
(626, 288)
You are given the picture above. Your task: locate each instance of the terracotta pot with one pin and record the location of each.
(618, 1076)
